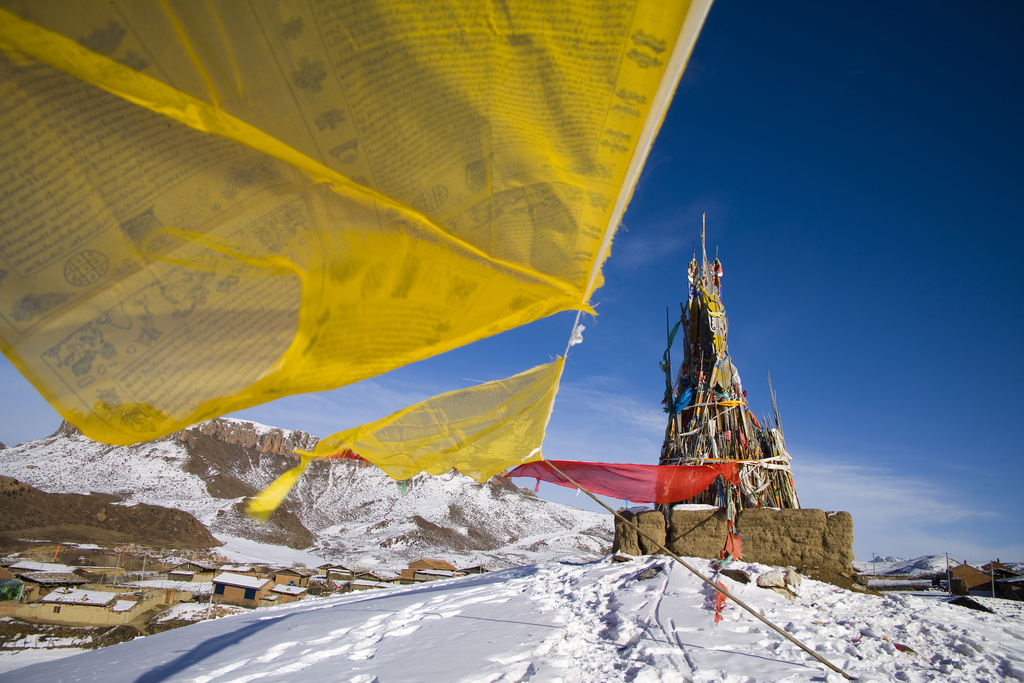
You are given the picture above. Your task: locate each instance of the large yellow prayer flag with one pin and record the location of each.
(209, 205)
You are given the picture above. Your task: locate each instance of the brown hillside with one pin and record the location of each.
(30, 513)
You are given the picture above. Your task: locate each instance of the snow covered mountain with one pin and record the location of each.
(926, 565)
(343, 511)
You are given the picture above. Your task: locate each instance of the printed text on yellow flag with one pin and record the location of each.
(211, 205)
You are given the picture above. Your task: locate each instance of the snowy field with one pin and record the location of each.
(9, 661)
(196, 611)
(245, 551)
(565, 622)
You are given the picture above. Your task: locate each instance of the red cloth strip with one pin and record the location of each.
(343, 454)
(719, 602)
(637, 483)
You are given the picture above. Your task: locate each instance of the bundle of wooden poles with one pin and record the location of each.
(709, 420)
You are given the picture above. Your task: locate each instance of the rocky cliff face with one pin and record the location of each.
(249, 437)
(238, 460)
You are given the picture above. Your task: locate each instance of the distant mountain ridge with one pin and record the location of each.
(342, 510)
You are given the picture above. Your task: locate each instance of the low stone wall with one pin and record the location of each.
(819, 544)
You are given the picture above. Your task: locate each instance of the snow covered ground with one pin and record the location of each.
(198, 611)
(9, 661)
(246, 551)
(598, 621)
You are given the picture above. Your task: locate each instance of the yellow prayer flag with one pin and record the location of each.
(207, 206)
(480, 431)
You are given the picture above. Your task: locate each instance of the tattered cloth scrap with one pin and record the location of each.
(638, 483)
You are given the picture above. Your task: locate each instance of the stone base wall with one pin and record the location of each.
(818, 544)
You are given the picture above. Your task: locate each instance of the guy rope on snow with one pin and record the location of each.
(722, 590)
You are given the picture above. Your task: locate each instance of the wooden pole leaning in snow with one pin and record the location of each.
(723, 591)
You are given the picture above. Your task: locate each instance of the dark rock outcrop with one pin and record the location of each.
(274, 441)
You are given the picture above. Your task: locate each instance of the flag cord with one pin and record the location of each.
(572, 334)
(721, 590)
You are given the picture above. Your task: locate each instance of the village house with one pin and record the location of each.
(365, 584)
(998, 570)
(432, 564)
(1011, 589)
(478, 569)
(336, 573)
(339, 575)
(281, 594)
(434, 575)
(973, 578)
(245, 569)
(33, 566)
(293, 576)
(67, 599)
(240, 589)
(427, 570)
(193, 571)
(432, 570)
(38, 584)
(78, 607)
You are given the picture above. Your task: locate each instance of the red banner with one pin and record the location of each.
(637, 483)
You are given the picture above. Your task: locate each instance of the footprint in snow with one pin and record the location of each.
(398, 632)
(274, 652)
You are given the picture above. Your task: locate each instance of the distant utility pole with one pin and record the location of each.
(209, 605)
(874, 556)
(949, 580)
(117, 568)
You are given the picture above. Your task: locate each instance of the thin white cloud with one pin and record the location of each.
(879, 494)
(668, 235)
(624, 410)
(897, 514)
(326, 413)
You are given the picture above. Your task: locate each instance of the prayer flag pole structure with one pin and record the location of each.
(709, 420)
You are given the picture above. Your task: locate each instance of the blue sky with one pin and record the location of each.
(860, 166)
